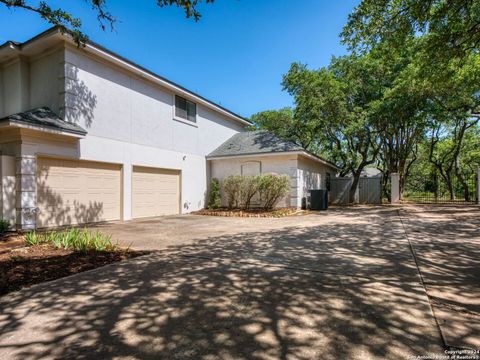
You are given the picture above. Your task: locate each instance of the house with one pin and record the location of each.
(255, 152)
(87, 135)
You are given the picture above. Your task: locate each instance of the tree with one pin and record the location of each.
(336, 104)
(70, 24)
(400, 113)
(286, 125)
(447, 28)
(446, 147)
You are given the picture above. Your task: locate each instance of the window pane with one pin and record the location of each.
(180, 107)
(192, 111)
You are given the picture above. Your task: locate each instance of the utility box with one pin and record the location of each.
(318, 199)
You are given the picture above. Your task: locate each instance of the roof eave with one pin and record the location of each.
(111, 56)
(5, 123)
(276, 153)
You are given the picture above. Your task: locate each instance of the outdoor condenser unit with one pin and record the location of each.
(318, 199)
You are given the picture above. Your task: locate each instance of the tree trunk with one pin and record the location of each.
(353, 188)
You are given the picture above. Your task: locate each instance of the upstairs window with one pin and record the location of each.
(185, 109)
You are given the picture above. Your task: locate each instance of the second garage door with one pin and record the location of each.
(155, 192)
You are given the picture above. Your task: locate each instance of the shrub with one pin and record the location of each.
(75, 239)
(249, 186)
(240, 190)
(33, 238)
(4, 225)
(214, 198)
(272, 188)
(231, 187)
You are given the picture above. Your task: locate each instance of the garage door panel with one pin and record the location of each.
(155, 192)
(71, 192)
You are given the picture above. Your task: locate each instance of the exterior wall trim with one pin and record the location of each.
(283, 153)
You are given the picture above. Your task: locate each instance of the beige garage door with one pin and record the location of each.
(155, 192)
(75, 192)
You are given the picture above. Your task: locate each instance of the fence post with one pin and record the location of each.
(395, 191)
(478, 186)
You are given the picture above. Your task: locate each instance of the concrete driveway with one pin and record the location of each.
(335, 285)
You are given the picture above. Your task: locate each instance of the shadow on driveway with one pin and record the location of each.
(333, 291)
(447, 243)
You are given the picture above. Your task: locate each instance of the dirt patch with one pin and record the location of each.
(11, 240)
(21, 267)
(249, 213)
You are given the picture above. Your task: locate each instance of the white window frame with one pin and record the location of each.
(182, 120)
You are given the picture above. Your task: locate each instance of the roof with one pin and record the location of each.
(101, 51)
(259, 142)
(254, 142)
(44, 118)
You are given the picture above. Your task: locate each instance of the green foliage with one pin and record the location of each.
(448, 28)
(4, 225)
(231, 188)
(68, 23)
(272, 188)
(75, 239)
(240, 190)
(33, 238)
(284, 124)
(214, 197)
(249, 187)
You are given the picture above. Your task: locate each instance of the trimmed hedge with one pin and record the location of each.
(240, 190)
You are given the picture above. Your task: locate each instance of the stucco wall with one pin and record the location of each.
(312, 175)
(279, 164)
(28, 83)
(129, 120)
(2, 106)
(46, 77)
(111, 103)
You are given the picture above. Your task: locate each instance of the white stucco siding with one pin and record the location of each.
(2, 96)
(278, 164)
(13, 98)
(46, 78)
(192, 167)
(29, 83)
(312, 175)
(125, 107)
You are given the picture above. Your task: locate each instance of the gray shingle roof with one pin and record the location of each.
(43, 117)
(259, 142)
(254, 142)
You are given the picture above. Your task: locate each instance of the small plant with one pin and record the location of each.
(75, 239)
(4, 225)
(214, 197)
(33, 238)
(272, 188)
(231, 188)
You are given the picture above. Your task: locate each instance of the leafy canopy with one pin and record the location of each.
(448, 28)
(69, 23)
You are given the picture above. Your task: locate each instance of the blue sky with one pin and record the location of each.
(235, 55)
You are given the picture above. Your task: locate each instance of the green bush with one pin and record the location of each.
(4, 225)
(75, 239)
(272, 188)
(240, 190)
(214, 197)
(249, 187)
(231, 187)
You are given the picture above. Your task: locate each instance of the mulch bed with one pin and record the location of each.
(281, 212)
(21, 267)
